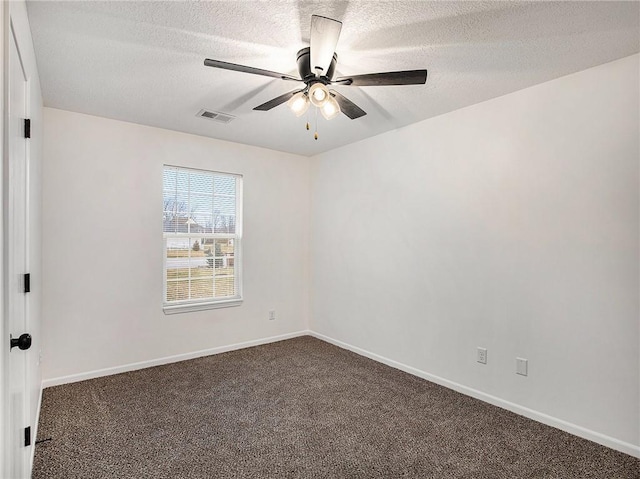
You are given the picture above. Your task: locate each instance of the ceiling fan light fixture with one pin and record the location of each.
(330, 109)
(299, 103)
(316, 67)
(318, 94)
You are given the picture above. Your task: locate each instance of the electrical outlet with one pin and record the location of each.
(521, 366)
(482, 355)
(272, 315)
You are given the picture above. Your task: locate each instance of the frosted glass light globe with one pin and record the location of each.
(298, 103)
(330, 109)
(318, 94)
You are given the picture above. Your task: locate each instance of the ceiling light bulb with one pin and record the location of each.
(298, 103)
(318, 94)
(330, 109)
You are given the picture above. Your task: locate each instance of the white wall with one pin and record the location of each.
(511, 225)
(103, 249)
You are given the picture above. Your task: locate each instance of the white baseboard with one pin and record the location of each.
(574, 429)
(72, 378)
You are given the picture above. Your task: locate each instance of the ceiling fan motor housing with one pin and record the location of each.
(304, 67)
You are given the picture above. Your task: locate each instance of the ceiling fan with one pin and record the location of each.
(316, 66)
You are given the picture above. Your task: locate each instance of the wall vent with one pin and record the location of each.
(216, 116)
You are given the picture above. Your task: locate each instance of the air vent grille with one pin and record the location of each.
(216, 116)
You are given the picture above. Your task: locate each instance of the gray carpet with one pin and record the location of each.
(300, 408)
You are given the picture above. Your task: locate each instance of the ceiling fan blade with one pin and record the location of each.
(241, 68)
(408, 77)
(279, 100)
(324, 38)
(347, 107)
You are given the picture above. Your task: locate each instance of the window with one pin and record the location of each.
(202, 234)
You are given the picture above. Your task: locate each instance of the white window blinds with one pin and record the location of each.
(202, 225)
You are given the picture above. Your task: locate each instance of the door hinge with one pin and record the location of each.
(27, 283)
(27, 436)
(27, 128)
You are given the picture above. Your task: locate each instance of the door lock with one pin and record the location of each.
(23, 342)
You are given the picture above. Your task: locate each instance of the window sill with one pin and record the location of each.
(188, 308)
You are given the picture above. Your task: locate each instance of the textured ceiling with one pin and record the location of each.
(143, 61)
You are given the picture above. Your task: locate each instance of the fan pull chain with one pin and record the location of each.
(315, 135)
(308, 126)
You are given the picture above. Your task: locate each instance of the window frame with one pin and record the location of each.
(188, 305)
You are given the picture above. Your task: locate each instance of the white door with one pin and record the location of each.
(16, 178)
